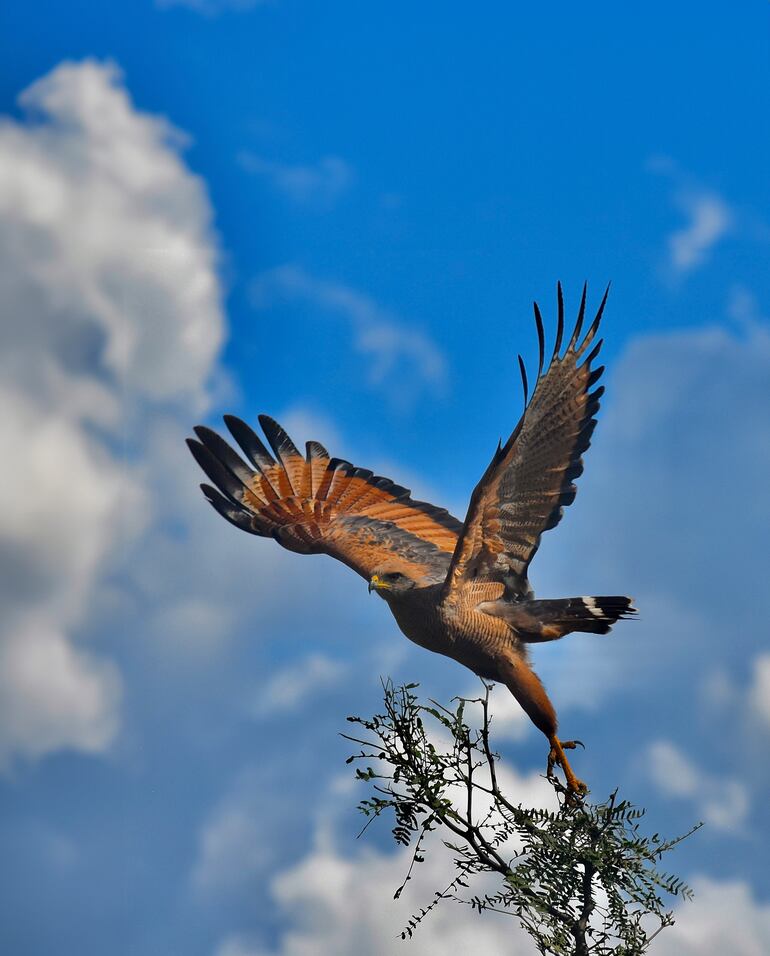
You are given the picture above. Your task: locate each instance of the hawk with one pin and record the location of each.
(457, 588)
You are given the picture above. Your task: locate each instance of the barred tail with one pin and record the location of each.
(594, 615)
(536, 621)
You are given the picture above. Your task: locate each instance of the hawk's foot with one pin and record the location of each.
(556, 755)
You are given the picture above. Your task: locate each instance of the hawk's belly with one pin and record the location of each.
(476, 640)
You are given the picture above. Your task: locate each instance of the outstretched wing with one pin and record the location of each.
(530, 479)
(314, 504)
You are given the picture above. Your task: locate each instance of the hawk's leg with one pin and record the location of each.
(528, 690)
(557, 756)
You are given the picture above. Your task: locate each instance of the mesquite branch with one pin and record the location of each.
(581, 878)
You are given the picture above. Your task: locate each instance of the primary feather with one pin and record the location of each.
(530, 479)
(315, 504)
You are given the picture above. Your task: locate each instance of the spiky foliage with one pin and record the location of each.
(582, 879)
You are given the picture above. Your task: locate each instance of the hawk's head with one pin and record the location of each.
(389, 583)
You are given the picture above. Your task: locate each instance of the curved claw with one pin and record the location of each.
(556, 755)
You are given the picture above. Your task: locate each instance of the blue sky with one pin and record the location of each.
(339, 215)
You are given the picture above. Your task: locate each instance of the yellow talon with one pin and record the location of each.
(557, 756)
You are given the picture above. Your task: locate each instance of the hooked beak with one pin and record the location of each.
(376, 583)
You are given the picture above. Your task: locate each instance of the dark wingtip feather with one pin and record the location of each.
(250, 442)
(560, 321)
(195, 447)
(226, 455)
(589, 336)
(594, 377)
(580, 317)
(540, 339)
(229, 511)
(209, 492)
(222, 478)
(280, 442)
(208, 436)
(314, 449)
(600, 311)
(594, 352)
(524, 383)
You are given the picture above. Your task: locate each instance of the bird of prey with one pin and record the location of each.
(457, 588)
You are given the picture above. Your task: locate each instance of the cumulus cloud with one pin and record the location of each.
(394, 350)
(52, 694)
(342, 904)
(111, 236)
(238, 945)
(233, 848)
(723, 803)
(261, 820)
(320, 184)
(335, 903)
(113, 309)
(724, 917)
(507, 718)
(292, 686)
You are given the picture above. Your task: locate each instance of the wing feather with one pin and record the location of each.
(285, 451)
(530, 479)
(314, 504)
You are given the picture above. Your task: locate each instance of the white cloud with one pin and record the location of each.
(293, 686)
(237, 847)
(238, 945)
(113, 309)
(507, 718)
(193, 627)
(759, 691)
(112, 236)
(722, 802)
(709, 220)
(724, 917)
(394, 350)
(232, 849)
(343, 905)
(321, 184)
(53, 695)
